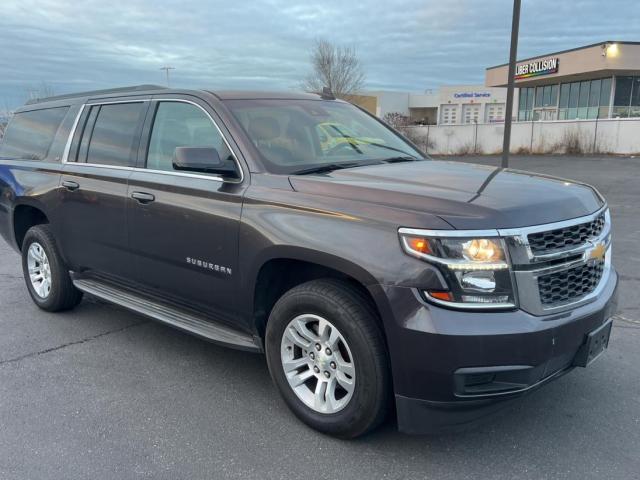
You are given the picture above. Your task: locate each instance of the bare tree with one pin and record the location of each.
(336, 67)
(396, 119)
(5, 115)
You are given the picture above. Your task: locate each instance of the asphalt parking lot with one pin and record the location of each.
(103, 393)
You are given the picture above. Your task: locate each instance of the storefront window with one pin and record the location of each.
(539, 95)
(546, 95)
(594, 99)
(588, 99)
(573, 101)
(554, 95)
(635, 98)
(583, 99)
(522, 100)
(564, 95)
(622, 97)
(564, 101)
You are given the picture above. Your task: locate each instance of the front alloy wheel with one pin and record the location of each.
(318, 363)
(46, 276)
(327, 356)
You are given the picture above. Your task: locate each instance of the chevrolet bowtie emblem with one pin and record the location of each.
(598, 252)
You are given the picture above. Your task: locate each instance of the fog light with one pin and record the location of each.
(478, 281)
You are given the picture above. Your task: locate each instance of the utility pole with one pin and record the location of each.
(166, 69)
(513, 53)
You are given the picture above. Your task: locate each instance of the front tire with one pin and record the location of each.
(47, 279)
(327, 356)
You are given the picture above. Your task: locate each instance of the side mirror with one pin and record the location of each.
(203, 160)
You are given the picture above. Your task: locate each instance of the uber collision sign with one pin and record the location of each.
(537, 68)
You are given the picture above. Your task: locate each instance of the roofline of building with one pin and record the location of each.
(565, 51)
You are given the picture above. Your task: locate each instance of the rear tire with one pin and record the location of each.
(344, 392)
(45, 274)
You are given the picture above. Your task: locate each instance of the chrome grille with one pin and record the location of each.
(561, 265)
(563, 238)
(570, 285)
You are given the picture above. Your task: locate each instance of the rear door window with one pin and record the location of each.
(30, 134)
(113, 138)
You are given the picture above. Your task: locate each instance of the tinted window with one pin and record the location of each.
(115, 134)
(30, 134)
(179, 124)
(86, 134)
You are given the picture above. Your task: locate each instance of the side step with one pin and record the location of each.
(176, 318)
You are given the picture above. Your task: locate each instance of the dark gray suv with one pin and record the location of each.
(301, 226)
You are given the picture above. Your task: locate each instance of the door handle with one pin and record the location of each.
(143, 197)
(71, 186)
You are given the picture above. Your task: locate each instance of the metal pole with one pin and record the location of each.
(475, 137)
(515, 24)
(426, 147)
(166, 69)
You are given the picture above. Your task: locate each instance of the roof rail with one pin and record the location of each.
(133, 88)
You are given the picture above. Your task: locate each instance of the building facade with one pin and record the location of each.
(447, 105)
(591, 82)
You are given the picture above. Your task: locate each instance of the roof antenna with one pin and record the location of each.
(327, 94)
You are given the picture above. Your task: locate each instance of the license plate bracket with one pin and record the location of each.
(595, 344)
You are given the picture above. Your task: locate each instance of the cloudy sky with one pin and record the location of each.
(264, 44)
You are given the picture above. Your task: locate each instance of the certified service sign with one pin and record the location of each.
(537, 68)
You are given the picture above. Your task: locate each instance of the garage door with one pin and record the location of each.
(448, 114)
(494, 113)
(470, 113)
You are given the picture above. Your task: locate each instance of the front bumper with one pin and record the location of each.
(451, 368)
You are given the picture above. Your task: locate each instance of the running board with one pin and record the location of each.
(171, 316)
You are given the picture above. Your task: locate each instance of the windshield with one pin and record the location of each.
(296, 136)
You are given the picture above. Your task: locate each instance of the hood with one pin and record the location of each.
(467, 196)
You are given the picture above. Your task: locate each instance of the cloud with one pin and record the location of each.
(263, 44)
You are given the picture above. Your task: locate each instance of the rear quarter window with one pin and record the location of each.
(30, 134)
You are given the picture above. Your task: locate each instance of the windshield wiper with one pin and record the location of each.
(330, 167)
(400, 159)
(387, 147)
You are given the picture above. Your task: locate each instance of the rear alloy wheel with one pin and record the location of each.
(47, 278)
(39, 270)
(328, 358)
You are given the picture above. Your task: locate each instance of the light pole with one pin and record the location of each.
(166, 69)
(515, 25)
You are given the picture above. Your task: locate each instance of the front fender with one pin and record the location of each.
(361, 241)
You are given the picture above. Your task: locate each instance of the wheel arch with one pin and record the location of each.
(26, 215)
(282, 269)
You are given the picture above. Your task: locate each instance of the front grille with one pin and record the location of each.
(569, 285)
(563, 238)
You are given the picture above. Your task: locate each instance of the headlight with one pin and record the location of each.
(476, 269)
